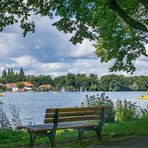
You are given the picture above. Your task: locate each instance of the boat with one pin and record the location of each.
(144, 97)
(1, 94)
(55, 92)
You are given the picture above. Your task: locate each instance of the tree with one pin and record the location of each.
(80, 82)
(20, 85)
(9, 76)
(59, 82)
(21, 76)
(71, 81)
(40, 80)
(22, 72)
(114, 85)
(4, 73)
(119, 27)
(134, 86)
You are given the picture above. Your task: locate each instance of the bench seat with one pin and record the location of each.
(65, 125)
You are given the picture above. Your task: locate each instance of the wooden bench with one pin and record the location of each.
(69, 118)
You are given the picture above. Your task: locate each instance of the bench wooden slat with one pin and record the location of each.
(78, 113)
(50, 120)
(73, 118)
(75, 109)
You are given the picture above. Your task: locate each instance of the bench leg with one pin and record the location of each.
(98, 134)
(52, 140)
(32, 139)
(81, 130)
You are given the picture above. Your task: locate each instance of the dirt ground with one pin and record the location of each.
(138, 142)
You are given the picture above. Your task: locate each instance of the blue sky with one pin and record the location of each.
(49, 51)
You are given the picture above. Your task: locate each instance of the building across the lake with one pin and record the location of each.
(14, 87)
(11, 87)
(45, 87)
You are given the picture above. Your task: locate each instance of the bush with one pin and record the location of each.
(144, 112)
(125, 111)
(15, 121)
(102, 100)
(4, 121)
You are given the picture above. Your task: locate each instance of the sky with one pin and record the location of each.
(49, 52)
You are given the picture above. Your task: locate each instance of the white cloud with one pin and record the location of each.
(84, 49)
(24, 61)
(54, 66)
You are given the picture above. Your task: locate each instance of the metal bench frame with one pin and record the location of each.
(35, 130)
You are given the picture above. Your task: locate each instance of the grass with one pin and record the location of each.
(67, 138)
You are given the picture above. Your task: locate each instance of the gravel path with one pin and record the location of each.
(138, 142)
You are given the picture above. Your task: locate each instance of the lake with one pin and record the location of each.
(32, 105)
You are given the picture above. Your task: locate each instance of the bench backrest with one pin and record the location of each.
(75, 114)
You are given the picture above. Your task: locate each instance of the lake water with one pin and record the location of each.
(32, 105)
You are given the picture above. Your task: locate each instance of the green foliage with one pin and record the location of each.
(10, 77)
(114, 83)
(40, 80)
(144, 112)
(4, 120)
(4, 73)
(125, 111)
(20, 85)
(69, 88)
(79, 82)
(102, 100)
(7, 123)
(15, 119)
(122, 111)
(119, 27)
(22, 72)
(3, 88)
(134, 86)
(59, 82)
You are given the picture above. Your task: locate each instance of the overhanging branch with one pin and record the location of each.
(144, 3)
(130, 21)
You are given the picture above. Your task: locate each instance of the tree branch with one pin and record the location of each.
(130, 21)
(144, 3)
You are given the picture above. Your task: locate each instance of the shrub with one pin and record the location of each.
(125, 111)
(5, 123)
(15, 113)
(102, 100)
(144, 112)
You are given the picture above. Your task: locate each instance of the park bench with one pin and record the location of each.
(69, 118)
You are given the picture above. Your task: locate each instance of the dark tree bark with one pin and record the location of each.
(144, 3)
(130, 21)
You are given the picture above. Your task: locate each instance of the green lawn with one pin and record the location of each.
(66, 139)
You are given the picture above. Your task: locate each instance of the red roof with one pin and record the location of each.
(27, 84)
(11, 85)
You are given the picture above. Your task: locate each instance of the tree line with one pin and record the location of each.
(79, 82)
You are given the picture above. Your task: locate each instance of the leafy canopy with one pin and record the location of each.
(119, 27)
